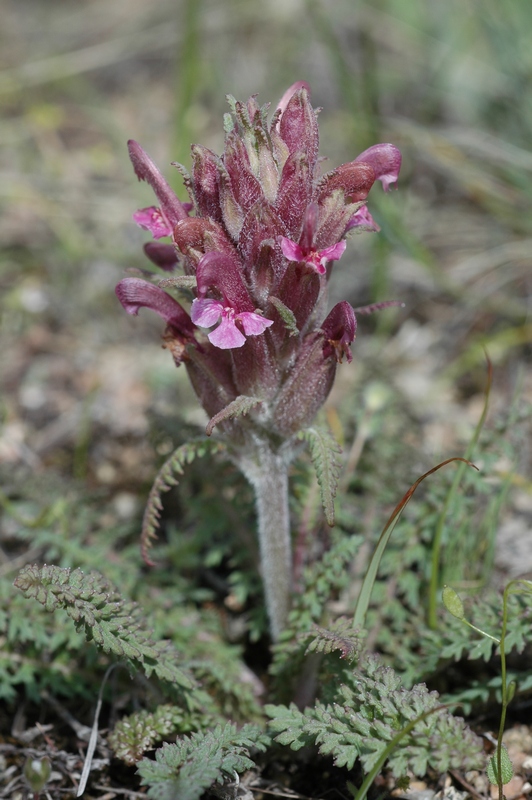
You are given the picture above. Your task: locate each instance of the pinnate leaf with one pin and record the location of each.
(324, 452)
(340, 636)
(368, 711)
(96, 607)
(236, 408)
(138, 732)
(187, 768)
(166, 478)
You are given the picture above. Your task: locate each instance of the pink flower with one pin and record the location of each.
(153, 220)
(362, 219)
(385, 159)
(206, 312)
(317, 260)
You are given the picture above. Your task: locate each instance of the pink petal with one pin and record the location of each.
(226, 335)
(254, 324)
(320, 260)
(333, 253)
(206, 312)
(152, 220)
(291, 250)
(362, 219)
(317, 263)
(386, 161)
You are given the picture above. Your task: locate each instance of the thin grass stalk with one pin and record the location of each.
(436, 545)
(362, 604)
(188, 80)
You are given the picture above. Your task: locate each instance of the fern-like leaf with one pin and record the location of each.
(166, 478)
(187, 768)
(370, 709)
(96, 607)
(324, 452)
(236, 408)
(320, 581)
(340, 636)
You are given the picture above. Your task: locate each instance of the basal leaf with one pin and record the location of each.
(116, 625)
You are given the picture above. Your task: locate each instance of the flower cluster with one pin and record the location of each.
(259, 237)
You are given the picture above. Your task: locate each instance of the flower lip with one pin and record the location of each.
(135, 294)
(153, 220)
(385, 158)
(362, 219)
(316, 259)
(234, 326)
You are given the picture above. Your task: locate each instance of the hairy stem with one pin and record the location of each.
(267, 472)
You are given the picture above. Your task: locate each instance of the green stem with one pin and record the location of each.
(189, 78)
(504, 688)
(362, 605)
(267, 472)
(370, 777)
(507, 689)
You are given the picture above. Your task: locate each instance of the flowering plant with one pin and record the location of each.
(255, 246)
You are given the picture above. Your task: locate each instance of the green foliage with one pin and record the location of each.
(138, 732)
(484, 611)
(238, 407)
(286, 314)
(368, 711)
(441, 122)
(97, 608)
(453, 602)
(166, 478)
(324, 452)
(506, 772)
(340, 636)
(186, 769)
(39, 653)
(321, 581)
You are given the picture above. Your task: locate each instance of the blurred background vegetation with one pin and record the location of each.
(449, 83)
